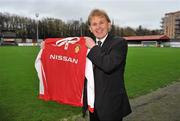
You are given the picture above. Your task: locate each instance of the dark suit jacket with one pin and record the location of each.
(111, 101)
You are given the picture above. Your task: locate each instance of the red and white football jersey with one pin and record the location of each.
(62, 66)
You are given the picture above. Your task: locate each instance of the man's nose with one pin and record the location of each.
(98, 26)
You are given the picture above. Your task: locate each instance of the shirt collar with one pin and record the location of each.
(102, 40)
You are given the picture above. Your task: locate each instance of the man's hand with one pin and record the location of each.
(89, 42)
(42, 45)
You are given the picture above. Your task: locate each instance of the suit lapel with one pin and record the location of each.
(106, 42)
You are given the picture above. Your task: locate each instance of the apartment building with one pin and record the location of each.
(171, 25)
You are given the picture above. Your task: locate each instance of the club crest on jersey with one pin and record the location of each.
(67, 41)
(77, 48)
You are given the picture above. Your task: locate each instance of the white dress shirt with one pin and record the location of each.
(102, 40)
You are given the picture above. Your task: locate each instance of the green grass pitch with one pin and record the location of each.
(147, 69)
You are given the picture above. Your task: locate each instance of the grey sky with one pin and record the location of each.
(133, 13)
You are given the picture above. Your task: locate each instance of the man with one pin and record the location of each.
(108, 55)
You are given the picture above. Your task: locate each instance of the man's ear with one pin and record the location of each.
(90, 29)
(109, 26)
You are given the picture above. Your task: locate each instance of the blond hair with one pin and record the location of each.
(98, 12)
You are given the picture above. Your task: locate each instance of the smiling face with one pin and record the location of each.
(99, 23)
(99, 26)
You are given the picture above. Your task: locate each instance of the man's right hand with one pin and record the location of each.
(42, 45)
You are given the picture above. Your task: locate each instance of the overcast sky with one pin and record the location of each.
(133, 13)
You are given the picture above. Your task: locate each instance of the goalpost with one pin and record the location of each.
(149, 43)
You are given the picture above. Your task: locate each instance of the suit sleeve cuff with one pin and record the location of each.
(93, 52)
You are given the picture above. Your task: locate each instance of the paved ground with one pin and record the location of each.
(160, 105)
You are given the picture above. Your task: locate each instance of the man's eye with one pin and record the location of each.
(101, 23)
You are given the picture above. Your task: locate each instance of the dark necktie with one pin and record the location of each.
(99, 43)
